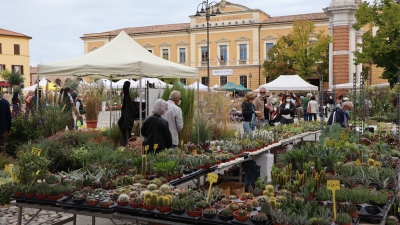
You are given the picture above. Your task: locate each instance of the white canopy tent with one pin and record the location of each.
(351, 86)
(196, 85)
(121, 58)
(289, 82)
(42, 83)
(214, 87)
(157, 83)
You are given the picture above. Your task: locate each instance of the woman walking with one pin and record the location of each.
(16, 105)
(249, 113)
(287, 110)
(312, 109)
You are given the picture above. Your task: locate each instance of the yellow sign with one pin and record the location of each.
(212, 178)
(236, 134)
(333, 185)
(36, 151)
(146, 148)
(8, 167)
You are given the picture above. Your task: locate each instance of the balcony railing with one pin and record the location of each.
(242, 62)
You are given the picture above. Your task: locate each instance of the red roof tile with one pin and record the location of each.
(291, 18)
(150, 29)
(33, 70)
(12, 33)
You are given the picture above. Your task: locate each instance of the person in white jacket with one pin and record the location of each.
(174, 116)
(313, 105)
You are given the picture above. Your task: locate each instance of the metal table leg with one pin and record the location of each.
(19, 215)
(74, 222)
(33, 216)
(93, 220)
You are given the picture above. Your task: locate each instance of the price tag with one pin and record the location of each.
(8, 167)
(146, 148)
(36, 151)
(155, 148)
(212, 178)
(333, 185)
(37, 172)
(236, 134)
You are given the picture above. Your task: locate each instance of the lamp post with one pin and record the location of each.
(207, 8)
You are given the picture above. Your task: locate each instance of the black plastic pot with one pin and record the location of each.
(225, 218)
(209, 216)
(258, 222)
(178, 212)
(373, 210)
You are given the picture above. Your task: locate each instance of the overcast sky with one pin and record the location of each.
(56, 25)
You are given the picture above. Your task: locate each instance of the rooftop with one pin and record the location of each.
(12, 33)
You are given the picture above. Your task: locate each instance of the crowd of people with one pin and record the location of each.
(261, 109)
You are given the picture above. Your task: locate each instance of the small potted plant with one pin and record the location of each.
(241, 215)
(164, 204)
(123, 200)
(359, 195)
(191, 210)
(79, 198)
(323, 194)
(378, 199)
(31, 191)
(19, 190)
(225, 215)
(203, 204)
(92, 200)
(209, 213)
(42, 191)
(179, 206)
(392, 220)
(343, 219)
(55, 192)
(352, 210)
(136, 202)
(342, 195)
(105, 203)
(225, 201)
(259, 218)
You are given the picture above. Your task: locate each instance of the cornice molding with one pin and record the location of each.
(223, 40)
(165, 44)
(242, 39)
(269, 38)
(182, 43)
(148, 45)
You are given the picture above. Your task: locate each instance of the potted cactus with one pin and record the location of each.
(92, 200)
(150, 201)
(55, 192)
(259, 218)
(123, 200)
(225, 215)
(31, 191)
(42, 191)
(241, 215)
(179, 206)
(19, 190)
(191, 210)
(209, 213)
(79, 198)
(105, 203)
(136, 202)
(164, 203)
(343, 219)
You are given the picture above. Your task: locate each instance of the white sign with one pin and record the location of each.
(222, 72)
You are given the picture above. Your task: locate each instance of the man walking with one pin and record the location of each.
(174, 116)
(5, 123)
(341, 114)
(263, 105)
(305, 105)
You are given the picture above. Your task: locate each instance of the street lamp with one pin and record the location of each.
(207, 8)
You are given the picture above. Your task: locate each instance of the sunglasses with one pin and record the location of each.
(262, 92)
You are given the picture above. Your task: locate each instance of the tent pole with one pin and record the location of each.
(140, 112)
(110, 102)
(37, 92)
(198, 111)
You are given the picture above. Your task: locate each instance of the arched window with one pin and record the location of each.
(223, 80)
(243, 80)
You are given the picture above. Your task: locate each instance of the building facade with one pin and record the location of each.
(14, 53)
(239, 40)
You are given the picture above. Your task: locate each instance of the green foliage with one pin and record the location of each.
(381, 48)
(5, 160)
(31, 167)
(73, 84)
(6, 190)
(202, 127)
(187, 106)
(5, 74)
(15, 78)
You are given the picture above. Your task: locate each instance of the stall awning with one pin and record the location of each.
(4, 84)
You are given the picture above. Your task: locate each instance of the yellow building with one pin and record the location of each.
(14, 53)
(239, 41)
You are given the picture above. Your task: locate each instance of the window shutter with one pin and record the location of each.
(16, 49)
(1, 51)
(22, 69)
(12, 67)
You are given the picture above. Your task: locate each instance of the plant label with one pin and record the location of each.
(36, 151)
(212, 178)
(333, 185)
(8, 167)
(146, 148)
(155, 148)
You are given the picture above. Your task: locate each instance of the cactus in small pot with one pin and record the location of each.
(249, 207)
(210, 211)
(259, 217)
(152, 187)
(123, 198)
(154, 198)
(78, 184)
(133, 194)
(144, 164)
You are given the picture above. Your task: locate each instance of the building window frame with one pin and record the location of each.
(1, 49)
(243, 80)
(2, 67)
(165, 53)
(183, 81)
(165, 46)
(20, 68)
(179, 46)
(201, 44)
(268, 40)
(223, 80)
(17, 49)
(204, 80)
(239, 43)
(149, 47)
(223, 42)
(182, 56)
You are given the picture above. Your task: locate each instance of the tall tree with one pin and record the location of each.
(300, 50)
(381, 48)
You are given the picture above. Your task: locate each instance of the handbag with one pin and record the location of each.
(308, 108)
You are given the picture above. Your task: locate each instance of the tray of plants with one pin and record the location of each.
(92, 200)
(41, 193)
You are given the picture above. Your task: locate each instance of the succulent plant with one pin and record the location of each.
(260, 217)
(79, 196)
(123, 198)
(107, 201)
(87, 191)
(136, 200)
(266, 208)
(249, 207)
(78, 184)
(180, 204)
(203, 204)
(343, 218)
(242, 213)
(226, 212)
(210, 211)
(152, 187)
(225, 201)
(133, 194)
(255, 203)
(32, 189)
(233, 207)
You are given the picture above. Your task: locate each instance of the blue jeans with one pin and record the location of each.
(261, 123)
(247, 127)
(311, 115)
(305, 114)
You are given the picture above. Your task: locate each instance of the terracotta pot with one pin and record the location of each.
(354, 214)
(56, 197)
(346, 223)
(149, 207)
(68, 193)
(91, 124)
(241, 218)
(180, 175)
(197, 213)
(30, 195)
(164, 209)
(18, 194)
(105, 205)
(41, 196)
(136, 205)
(122, 203)
(92, 203)
(175, 177)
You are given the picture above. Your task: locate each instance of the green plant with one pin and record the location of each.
(359, 195)
(203, 204)
(55, 190)
(180, 204)
(51, 179)
(32, 189)
(30, 167)
(279, 217)
(210, 211)
(259, 217)
(318, 221)
(266, 208)
(226, 212)
(323, 194)
(378, 198)
(6, 190)
(342, 194)
(43, 188)
(123, 198)
(343, 218)
(5, 159)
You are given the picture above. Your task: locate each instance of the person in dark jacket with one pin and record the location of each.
(155, 129)
(129, 112)
(249, 112)
(331, 103)
(5, 123)
(67, 107)
(341, 115)
(287, 110)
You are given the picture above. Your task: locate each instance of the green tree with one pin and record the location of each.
(299, 51)
(381, 48)
(15, 79)
(5, 74)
